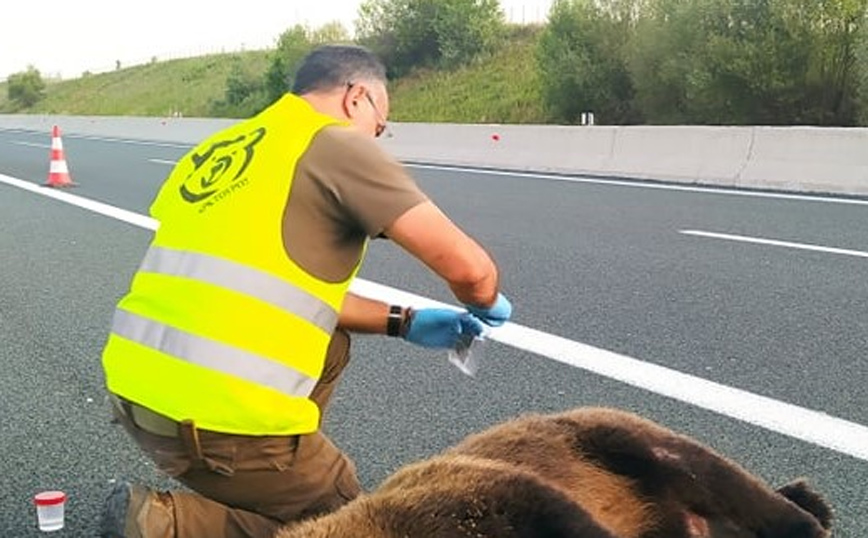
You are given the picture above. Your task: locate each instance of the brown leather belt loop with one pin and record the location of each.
(190, 437)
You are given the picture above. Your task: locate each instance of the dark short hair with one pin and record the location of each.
(331, 66)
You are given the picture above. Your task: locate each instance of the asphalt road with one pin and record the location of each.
(600, 263)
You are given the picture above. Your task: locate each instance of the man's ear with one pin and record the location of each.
(352, 97)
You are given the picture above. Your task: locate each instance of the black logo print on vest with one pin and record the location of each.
(220, 166)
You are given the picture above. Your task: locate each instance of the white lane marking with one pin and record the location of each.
(639, 184)
(86, 203)
(162, 161)
(776, 243)
(805, 424)
(105, 139)
(30, 144)
(129, 141)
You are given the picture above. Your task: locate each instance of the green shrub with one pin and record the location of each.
(582, 61)
(413, 34)
(26, 88)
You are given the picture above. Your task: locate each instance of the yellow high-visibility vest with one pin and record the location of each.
(220, 326)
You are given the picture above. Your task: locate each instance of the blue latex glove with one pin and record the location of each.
(441, 327)
(495, 315)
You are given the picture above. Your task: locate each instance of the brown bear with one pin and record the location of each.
(585, 473)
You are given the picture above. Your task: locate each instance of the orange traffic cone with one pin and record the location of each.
(58, 174)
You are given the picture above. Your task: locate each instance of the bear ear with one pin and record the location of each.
(803, 495)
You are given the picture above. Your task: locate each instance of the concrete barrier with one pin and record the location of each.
(180, 130)
(693, 155)
(802, 159)
(539, 148)
(808, 159)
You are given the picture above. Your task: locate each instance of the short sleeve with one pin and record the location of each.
(370, 187)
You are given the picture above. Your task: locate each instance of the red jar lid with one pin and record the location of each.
(48, 498)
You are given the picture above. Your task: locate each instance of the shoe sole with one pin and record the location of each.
(115, 512)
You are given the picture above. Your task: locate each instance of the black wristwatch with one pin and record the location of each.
(395, 320)
(398, 322)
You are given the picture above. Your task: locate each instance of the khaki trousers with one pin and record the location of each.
(249, 486)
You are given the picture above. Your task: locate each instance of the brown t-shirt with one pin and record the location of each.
(345, 189)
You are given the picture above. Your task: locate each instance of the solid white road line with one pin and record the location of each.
(131, 142)
(31, 144)
(776, 243)
(639, 184)
(805, 424)
(85, 203)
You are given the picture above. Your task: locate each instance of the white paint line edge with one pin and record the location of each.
(807, 425)
(775, 243)
(106, 139)
(639, 184)
(85, 203)
(31, 144)
(162, 161)
(130, 141)
(812, 426)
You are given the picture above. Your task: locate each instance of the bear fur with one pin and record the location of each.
(585, 473)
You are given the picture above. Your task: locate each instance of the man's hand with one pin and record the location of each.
(495, 315)
(441, 328)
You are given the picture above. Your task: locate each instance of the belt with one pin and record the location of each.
(147, 420)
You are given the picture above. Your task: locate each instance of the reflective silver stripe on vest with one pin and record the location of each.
(212, 354)
(243, 279)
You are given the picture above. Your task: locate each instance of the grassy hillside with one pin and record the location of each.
(157, 89)
(499, 89)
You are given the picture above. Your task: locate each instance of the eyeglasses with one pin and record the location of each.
(381, 119)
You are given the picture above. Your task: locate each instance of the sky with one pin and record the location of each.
(65, 38)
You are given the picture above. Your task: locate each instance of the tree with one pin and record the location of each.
(747, 61)
(26, 88)
(409, 34)
(582, 60)
(244, 96)
(834, 71)
(861, 55)
(292, 46)
(331, 32)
